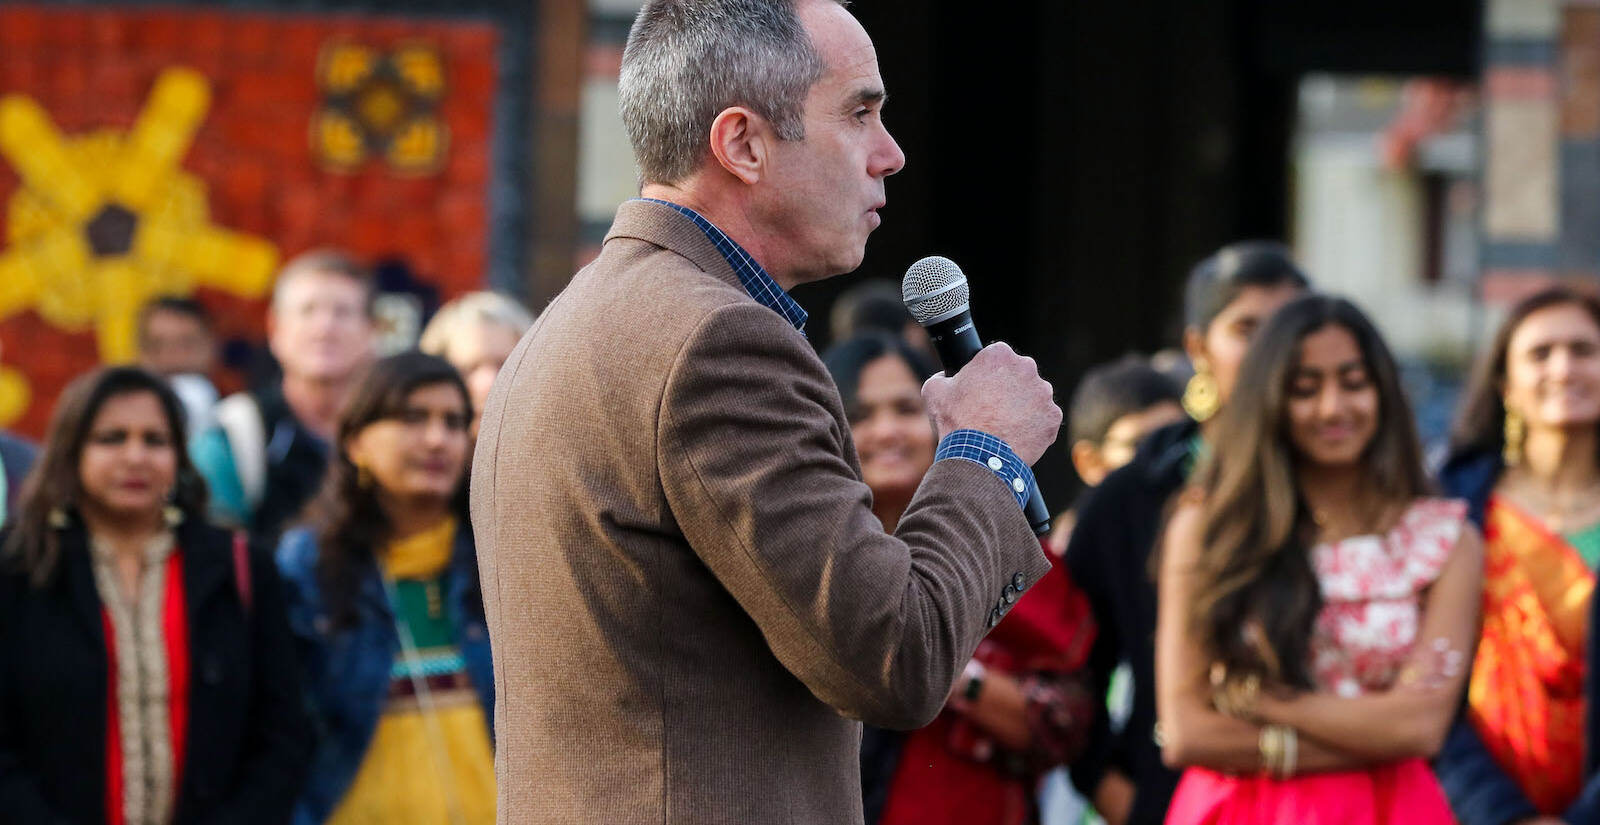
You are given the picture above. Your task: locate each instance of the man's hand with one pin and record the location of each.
(999, 392)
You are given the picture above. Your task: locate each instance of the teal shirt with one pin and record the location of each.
(213, 459)
(1587, 543)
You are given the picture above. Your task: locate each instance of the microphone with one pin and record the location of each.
(936, 294)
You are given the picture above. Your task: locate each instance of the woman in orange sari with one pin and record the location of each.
(1527, 456)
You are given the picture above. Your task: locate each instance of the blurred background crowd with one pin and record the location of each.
(262, 260)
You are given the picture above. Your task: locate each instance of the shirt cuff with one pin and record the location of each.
(991, 452)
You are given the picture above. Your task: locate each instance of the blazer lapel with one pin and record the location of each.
(669, 229)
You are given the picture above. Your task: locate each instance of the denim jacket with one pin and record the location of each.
(347, 669)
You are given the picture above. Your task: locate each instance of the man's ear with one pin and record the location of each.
(739, 141)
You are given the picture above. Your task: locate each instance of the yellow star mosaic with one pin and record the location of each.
(107, 220)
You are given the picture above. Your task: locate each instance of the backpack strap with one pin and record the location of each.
(241, 570)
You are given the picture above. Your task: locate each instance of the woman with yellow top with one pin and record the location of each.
(1527, 457)
(385, 604)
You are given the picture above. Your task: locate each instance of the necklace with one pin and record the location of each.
(1560, 510)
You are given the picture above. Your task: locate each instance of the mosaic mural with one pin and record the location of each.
(176, 151)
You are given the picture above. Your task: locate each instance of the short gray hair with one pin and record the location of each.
(688, 60)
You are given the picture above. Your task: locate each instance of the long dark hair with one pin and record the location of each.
(1254, 569)
(1481, 426)
(846, 359)
(350, 522)
(1217, 281)
(33, 546)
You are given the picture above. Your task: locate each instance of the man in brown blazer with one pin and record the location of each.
(688, 595)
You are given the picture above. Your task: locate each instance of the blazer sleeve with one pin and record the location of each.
(753, 464)
(277, 739)
(1479, 791)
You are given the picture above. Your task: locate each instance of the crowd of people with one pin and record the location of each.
(269, 607)
(653, 557)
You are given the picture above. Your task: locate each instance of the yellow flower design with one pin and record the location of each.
(105, 221)
(380, 104)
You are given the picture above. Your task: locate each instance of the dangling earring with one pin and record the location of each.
(1516, 430)
(363, 476)
(172, 514)
(1201, 397)
(58, 518)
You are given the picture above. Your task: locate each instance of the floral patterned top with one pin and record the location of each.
(1372, 592)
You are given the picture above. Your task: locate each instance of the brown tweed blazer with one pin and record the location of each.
(688, 595)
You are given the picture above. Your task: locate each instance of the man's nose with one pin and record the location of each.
(891, 158)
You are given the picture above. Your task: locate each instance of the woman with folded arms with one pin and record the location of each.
(1316, 606)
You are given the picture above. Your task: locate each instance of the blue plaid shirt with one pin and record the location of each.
(971, 445)
(752, 277)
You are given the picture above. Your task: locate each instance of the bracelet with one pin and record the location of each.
(1235, 697)
(1270, 745)
(1280, 750)
(974, 674)
(1291, 752)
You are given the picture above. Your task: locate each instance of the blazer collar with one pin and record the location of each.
(669, 229)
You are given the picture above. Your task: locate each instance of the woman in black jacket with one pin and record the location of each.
(147, 674)
(1227, 297)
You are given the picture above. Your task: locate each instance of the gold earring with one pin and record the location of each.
(58, 518)
(1201, 397)
(172, 514)
(1515, 431)
(363, 476)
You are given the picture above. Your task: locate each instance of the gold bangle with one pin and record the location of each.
(1270, 743)
(1291, 752)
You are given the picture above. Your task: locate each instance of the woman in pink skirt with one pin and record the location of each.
(1317, 609)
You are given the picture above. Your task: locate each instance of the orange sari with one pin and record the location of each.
(1526, 691)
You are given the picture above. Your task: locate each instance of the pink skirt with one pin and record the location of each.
(1399, 793)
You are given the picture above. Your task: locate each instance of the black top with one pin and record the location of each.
(297, 461)
(248, 738)
(1118, 525)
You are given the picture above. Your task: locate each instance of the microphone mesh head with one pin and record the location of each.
(934, 289)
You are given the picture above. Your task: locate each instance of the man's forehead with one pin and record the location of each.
(847, 52)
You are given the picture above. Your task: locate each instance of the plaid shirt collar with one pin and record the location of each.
(752, 277)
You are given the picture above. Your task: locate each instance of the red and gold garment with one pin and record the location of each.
(953, 771)
(1526, 692)
(147, 689)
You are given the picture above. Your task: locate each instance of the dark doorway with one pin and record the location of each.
(1076, 158)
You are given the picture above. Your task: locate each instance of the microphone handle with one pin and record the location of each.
(956, 341)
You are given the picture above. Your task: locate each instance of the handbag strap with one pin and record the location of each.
(241, 571)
